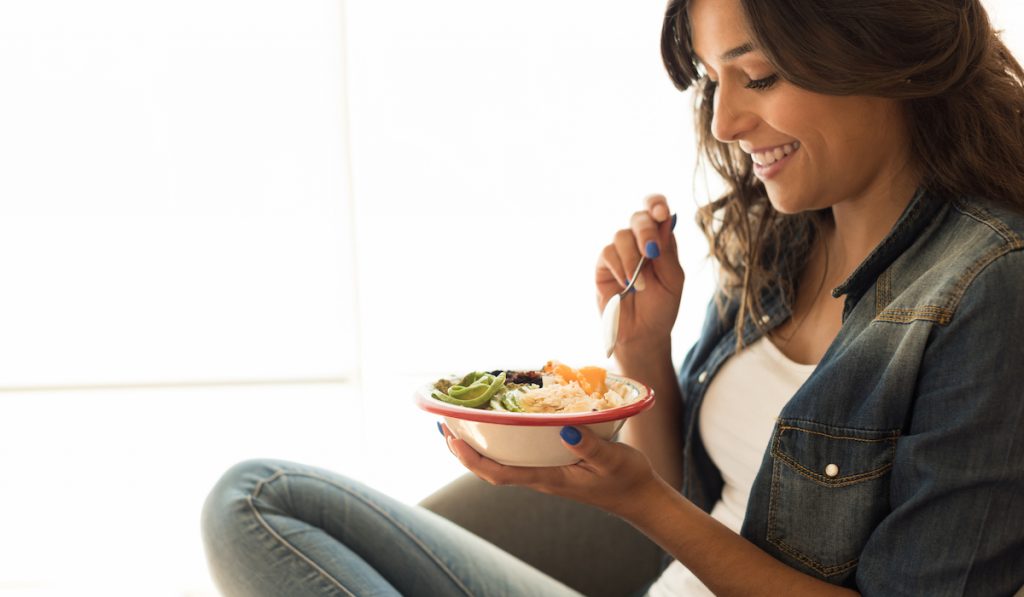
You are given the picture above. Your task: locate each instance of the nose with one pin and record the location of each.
(732, 117)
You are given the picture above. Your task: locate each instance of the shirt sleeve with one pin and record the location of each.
(956, 525)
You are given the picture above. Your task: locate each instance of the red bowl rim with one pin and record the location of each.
(432, 405)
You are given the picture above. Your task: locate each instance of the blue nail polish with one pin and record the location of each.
(571, 435)
(652, 249)
(674, 221)
(439, 428)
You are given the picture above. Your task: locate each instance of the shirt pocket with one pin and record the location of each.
(830, 489)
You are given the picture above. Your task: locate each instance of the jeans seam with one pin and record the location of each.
(825, 480)
(939, 315)
(405, 530)
(277, 536)
(771, 532)
(891, 436)
(984, 217)
(782, 461)
(943, 314)
(883, 290)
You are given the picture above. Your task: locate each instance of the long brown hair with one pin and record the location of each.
(960, 87)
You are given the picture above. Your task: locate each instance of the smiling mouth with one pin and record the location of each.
(767, 158)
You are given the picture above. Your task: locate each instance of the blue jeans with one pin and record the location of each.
(281, 529)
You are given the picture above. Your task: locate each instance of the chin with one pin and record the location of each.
(789, 204)
(787, 207)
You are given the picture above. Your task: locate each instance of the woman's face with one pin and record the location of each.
(812, 151)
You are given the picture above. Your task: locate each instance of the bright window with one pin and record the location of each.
(174, 205)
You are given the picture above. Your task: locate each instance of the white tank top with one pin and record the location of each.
(736, 422)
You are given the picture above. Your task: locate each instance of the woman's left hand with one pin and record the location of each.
(610, 475)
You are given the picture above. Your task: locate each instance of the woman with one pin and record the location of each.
(850, 418)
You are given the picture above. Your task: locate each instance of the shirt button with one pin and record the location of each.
(766, 318)
(831, 470)
(702, 377)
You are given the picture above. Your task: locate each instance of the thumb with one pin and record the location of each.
(583, 443)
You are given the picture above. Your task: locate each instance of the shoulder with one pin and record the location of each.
(984, 246)
(994, 225)
(973, 249)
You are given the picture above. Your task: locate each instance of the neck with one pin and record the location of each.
(859, 225)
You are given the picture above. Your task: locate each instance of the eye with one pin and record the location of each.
(762, 84)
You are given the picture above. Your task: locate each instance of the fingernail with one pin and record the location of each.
(674, 221)
(652, 249)
(571, 435)
(439, 428)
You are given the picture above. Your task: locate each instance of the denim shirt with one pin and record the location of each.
(898, 467)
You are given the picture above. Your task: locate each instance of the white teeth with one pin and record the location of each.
(767, 158)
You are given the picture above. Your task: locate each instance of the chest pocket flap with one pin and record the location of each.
(830, 489)
(834, 456)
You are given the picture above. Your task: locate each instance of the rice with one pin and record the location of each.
(570, 398)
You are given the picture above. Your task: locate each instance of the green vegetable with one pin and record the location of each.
(475, 390)
(511, 402)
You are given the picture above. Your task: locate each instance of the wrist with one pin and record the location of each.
(647, 504)
(648, 362)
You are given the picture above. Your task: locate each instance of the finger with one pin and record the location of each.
(610, 270)
(445, 430)
(592, 450)
(645, 231)
(659, 210)
(447, 434)
(657, 206)
(667, 269)
(667, 237)
(491, 471)
(625, 246)
(609, 278)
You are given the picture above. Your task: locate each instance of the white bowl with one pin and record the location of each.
(532, 439)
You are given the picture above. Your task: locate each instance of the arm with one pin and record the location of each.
(644, 349)
(725, 562)
(656, 432)
(957, 490)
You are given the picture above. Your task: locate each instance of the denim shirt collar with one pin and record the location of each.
(918, 214)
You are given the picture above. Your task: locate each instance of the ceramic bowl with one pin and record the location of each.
(532, 439)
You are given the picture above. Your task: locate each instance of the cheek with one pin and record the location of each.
(791, 110)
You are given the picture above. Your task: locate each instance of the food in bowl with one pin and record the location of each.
(556, 388)
(517, 421)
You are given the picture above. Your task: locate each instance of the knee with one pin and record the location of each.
(229, 526)
(226, 508)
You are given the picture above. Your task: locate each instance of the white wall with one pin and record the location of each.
(496, 148)
(174, 194)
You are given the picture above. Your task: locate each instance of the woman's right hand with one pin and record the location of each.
(646, 316)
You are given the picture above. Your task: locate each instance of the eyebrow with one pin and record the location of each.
(736, 52)
(732, 54)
